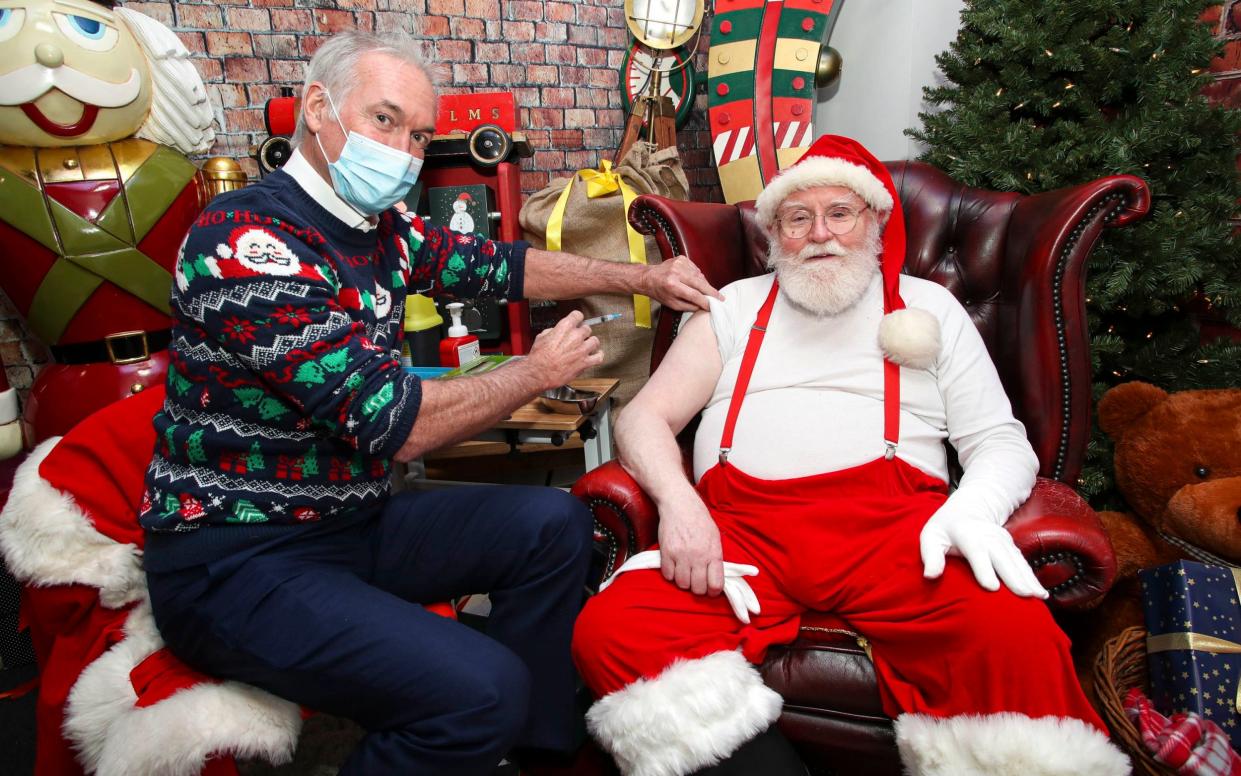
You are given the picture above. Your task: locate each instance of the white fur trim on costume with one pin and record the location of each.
(694, 714)
(47, 540)
(1005, 744)
(910, 337)
(821, 171)
(173, 737)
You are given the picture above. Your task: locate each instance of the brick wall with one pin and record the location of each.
(560, 59)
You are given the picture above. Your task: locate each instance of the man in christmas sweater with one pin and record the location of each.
(820, 482)
(274, 555)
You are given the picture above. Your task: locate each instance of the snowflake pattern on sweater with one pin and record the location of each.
(286, 400)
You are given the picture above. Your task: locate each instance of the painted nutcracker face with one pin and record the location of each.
(71, 73)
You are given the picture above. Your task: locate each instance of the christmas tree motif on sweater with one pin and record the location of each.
(254, 461)
(246, 512)
(169, 441)
(179, 382)
(269, 406)
(453, 269)
(314, 372)
(310, 462)
(194, 448)
(377, 401)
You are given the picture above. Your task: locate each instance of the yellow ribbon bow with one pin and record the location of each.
(600, 183)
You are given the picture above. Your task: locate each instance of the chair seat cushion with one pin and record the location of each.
(825, 670)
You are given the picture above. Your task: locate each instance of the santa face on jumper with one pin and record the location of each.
(253, 250)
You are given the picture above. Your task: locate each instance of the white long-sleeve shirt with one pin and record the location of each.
(815, 400)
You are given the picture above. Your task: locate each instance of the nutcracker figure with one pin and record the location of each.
(99, 106)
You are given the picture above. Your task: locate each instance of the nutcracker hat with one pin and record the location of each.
(908, 337)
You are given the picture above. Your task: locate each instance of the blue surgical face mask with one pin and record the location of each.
(370, 176)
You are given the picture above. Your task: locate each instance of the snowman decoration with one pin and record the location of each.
(461, 220)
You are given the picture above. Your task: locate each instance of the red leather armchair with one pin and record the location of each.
(1018, 265)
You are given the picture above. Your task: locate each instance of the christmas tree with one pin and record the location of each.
(1059, 92)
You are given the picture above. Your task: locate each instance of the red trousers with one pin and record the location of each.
(845, 542)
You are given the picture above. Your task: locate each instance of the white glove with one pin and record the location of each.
(987, 547)
(738, 592)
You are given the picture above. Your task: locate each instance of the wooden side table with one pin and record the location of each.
(533, 423)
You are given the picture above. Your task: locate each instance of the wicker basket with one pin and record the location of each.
(1120, 667)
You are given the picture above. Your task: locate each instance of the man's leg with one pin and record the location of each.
(980, 682)
(434, 695)
(678, 694)
(529, 548)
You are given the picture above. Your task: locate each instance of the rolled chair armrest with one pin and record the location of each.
(1064, 541)
(1050, 238)
(626, 521)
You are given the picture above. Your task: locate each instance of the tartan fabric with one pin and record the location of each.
(1194, 746)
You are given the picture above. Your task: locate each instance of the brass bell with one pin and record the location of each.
(827, 69)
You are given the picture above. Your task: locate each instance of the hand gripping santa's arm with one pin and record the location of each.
(1000, 466)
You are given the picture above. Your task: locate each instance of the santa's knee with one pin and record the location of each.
(599, 646)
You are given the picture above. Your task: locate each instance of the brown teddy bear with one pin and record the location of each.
(1178, 465)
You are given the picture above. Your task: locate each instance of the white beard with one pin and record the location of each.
(827, 286)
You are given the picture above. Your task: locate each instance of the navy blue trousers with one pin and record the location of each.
(334, 623)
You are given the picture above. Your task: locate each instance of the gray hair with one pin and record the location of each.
(334, 63)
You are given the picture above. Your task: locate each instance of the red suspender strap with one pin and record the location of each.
(891, 407)
(755, 340)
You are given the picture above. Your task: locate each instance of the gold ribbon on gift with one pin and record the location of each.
(1197, 642)
(600, 183)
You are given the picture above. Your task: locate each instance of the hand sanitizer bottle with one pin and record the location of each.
(459, 347)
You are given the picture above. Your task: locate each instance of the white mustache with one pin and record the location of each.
(829, 248)
(27, 84)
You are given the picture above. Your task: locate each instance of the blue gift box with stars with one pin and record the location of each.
(1193, 617)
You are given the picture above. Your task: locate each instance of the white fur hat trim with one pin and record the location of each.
(821, 171)
(910, 337)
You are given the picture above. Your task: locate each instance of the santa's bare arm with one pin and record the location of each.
(646, 437)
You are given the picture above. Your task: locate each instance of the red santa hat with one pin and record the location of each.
(465, 197)
(909, 337)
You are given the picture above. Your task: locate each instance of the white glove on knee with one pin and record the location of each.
(987, 547)
(738, 592)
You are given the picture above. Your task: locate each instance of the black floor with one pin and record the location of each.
(17, 724)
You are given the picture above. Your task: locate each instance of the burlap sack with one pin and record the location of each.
(596, 228)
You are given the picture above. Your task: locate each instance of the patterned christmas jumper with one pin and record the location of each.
(286, 400)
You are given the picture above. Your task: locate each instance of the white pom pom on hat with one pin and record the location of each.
(910, 337)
